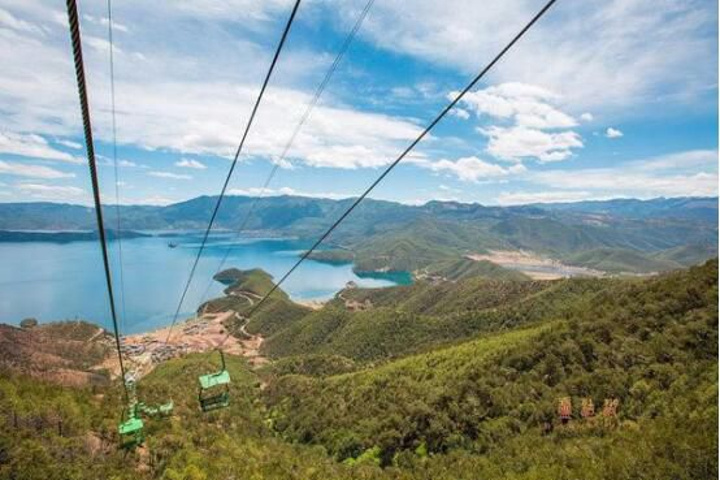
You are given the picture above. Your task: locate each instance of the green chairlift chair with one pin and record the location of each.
(131, 426)
(214, 390)
(164, 410)
(131, 429)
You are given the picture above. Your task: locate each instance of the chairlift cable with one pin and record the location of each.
(232, 166)
(118, 229)
(291, 140)
(405, 152)
(76, 42)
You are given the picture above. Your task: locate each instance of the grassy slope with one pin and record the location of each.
(462, 268)
(465, 412)
(652, 344)
(689, 255)
(412, 318)
(244, 290)
(433, 242)
(230, 443)
(621, 261)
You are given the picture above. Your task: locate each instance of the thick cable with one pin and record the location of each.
(76, 41)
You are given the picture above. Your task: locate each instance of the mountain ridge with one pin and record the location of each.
(387, 236)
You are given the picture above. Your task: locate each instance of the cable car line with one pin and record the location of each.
(118, 231)
(233, 164)
(90, 149)
(405, 152)
(303, 119)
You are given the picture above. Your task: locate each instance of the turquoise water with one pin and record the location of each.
(52, 281)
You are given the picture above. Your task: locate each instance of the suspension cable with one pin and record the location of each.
(305, 116)
(87, 128)
(232, 166)
(118, 228)
(407, 150)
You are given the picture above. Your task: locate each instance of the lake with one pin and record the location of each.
(51, 281)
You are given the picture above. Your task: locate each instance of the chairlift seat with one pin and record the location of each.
(166, 408)
(214, 390)
(214, 379)
(131, 432)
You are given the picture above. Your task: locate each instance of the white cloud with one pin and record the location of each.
(587, 117)
(600, 54)
(170, 175)
(235, 10)
(687, 160)
(153, 200)
(203, 117)
(31, 171)
(524, 198)
(460, 113)
(527, 105)
(637, 184)
(272, 192)
(671, 176)
(50, 192)
(121, 162)
(9, 20)
(104, 21)
(190, 163)
(447, 188)
(69, 144)
(516, 143)
(30, 145)
(100, 44)
(533, 122)
(613, 133)
(472, 169)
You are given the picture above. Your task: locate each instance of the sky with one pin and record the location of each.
(601, 99)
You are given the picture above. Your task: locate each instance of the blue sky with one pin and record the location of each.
(602, 99)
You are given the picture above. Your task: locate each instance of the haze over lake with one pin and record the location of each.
(51, 281)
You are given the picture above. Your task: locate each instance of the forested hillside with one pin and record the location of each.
(454, 380)
(649, 344)
(620, 235)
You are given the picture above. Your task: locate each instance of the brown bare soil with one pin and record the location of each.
(201, 334)
(63, 353)
(535, 266)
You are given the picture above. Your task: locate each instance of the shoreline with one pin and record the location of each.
(143, 351)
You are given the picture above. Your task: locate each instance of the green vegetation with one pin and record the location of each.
(456, 380)
(312, 365)
(621, 261)
(255, 281)
(462, 268)
(408, 319)
(276, 314)
(688, 255)
(246, 288)
(333, 256)
(652, 235)
(48, 432)
(651, 344)
(64, 237)
(28, 323)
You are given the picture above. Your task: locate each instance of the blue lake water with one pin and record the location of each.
(51, 281)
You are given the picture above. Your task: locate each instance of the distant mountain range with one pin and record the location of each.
(615, 236)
